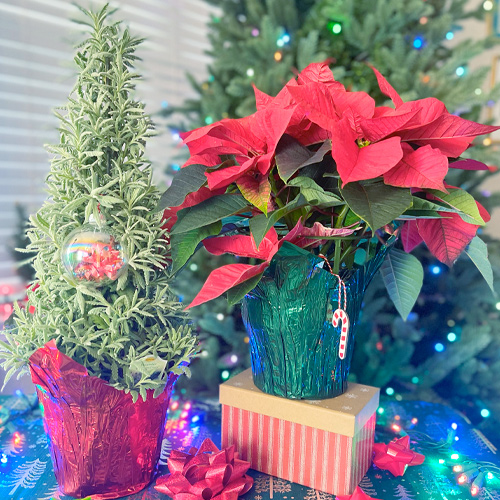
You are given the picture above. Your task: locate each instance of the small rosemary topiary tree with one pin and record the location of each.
(131, 331)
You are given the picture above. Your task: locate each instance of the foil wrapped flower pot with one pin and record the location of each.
(293, 344)
(101, 442)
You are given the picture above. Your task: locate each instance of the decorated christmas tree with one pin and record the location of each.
(101, 291)
(266, 42)
(411, 43)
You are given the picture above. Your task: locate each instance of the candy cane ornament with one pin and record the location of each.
(340, 314)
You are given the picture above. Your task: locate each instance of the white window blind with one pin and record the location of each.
(37, 74)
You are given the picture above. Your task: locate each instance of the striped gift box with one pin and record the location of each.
(326, 445)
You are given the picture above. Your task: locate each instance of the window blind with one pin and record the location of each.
(37, 74)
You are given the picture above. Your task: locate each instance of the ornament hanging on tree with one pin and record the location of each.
(93, 253)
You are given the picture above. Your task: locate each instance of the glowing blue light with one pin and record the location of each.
(286, 37)
(454, 426)
(436, 269)
(280, 42)
(485, 413)
(176, 167)
(439, 347)
(456, 438)
(452, 336)
(413, 316)
(454, 456)
(176, 136)
(460, 71)
(418, 42)
(389, 391)
(415, 380)
(225, 375)
(450, 35)
(3, 458)
(195, 418)
(181, 298)
(164, 104)
(19, 393)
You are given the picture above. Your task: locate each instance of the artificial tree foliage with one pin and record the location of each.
(131, 332)
(266, 42)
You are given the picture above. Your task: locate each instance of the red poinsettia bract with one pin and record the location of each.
(222, 279)
(411, 145)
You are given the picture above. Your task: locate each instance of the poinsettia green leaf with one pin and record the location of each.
(429, 209)
(351, 218)
(318, 155)
(290, 155)
(376, 203)
(462, 201)
(314, 193)
(403, 276)
(184, 245)
(188, 180)
(255, 191)
(260, 224)
(208, 212)
(420, 214)
(235, 294)
(478, 253)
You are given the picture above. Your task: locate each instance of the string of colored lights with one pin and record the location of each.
(475, 475)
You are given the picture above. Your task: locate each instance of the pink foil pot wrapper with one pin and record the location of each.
(101, 442)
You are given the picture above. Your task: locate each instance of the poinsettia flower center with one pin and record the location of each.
(362, 143)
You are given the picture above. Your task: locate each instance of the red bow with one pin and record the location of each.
(396, 456)
(103, 260)
(205, 473)
(358, 494)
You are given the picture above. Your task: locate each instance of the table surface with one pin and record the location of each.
(26, 470)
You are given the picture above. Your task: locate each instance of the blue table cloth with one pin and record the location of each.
(438, 432)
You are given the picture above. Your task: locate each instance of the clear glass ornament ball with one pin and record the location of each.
(93, 253)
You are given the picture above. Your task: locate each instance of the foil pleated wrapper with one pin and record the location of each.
(293, 345)
(102, 444)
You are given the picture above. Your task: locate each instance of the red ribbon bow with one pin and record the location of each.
(396, 456)
(101, 261)
(205, 473)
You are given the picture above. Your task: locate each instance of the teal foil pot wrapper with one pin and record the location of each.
(288, 315)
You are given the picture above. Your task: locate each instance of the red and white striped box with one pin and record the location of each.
(324, 444)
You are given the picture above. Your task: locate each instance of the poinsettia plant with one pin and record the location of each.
(327, 170)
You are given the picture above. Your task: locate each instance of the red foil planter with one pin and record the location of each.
(102, 444)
